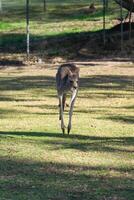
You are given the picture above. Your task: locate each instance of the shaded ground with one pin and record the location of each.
(95, 161)
(63, 181)
(73, 33)
(74, 46)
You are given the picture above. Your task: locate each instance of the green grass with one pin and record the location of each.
(36, 161)
(94, 162)
(60, 20)
(13, 17)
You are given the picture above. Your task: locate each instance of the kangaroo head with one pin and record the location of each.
(73, 80)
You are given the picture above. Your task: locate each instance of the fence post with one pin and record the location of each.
(27, 29)
(104, 22)
(121, 16)
(0, 6)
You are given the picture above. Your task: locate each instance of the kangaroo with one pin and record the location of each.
(67, 80)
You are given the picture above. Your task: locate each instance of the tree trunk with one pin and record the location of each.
(107, 4)
(44, 7)
(127, 4)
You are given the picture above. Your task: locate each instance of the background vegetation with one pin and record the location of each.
(47, 29)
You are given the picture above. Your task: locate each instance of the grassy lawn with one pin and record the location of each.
(60, 18)
(67, 12)
(62, 30)
(94, 162)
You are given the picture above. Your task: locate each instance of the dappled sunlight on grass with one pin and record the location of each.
(52, 25)
(37, 161)
(55, 180)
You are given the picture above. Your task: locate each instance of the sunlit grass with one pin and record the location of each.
(59, 21)
(59, 18)
(38, 162)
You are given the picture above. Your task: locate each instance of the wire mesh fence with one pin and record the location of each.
(54, 19)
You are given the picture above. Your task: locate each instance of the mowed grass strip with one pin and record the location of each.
(59, 18)
(94, 162)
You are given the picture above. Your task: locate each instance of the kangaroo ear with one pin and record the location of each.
(78, 70)
(70, 73)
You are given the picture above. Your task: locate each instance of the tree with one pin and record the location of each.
(44, 7)
(127, 4)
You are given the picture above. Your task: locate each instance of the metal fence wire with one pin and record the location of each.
(55, 17)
